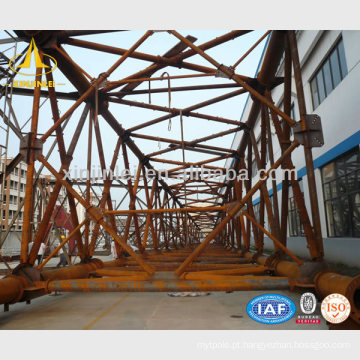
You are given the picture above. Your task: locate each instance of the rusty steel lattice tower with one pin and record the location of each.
(191, 235)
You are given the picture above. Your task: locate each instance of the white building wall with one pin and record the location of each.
(340, 115)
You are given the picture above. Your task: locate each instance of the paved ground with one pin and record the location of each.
(77, 311)
(126, 311)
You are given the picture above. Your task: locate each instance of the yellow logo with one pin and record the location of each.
(27, 61)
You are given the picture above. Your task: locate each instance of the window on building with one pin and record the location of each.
(341, 186)
(331, 72)
(13, 199)
(295, 225)
(13, 185)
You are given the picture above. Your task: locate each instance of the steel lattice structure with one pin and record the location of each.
(191, 235)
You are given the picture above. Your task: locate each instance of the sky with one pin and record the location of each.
(94, 63)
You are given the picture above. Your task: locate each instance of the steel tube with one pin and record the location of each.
(315, 242)
(119, 272)
(286, 268)
(225, 274)
(273, 238)
(193, 267)
(173, 89)
(94, 85)
(11, 290)
(327, 283)
(115, 285)
(73, 272)
(163, 60)
(97, 217)
(235, 77)
(29, 195)
(266, 77)
(158, 211)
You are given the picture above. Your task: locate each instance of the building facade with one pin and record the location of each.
(330, 65)
(12, 195)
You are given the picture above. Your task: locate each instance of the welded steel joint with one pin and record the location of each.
(25, 147)
(224, 71)
(95, 212)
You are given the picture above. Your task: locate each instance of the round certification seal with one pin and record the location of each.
(335, 308)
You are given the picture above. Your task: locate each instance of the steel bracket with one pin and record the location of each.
(220, 72)
(237, 155)
(125, 136)
(145, 160)
(25, 147)
(94, 212)
(313, 131)
(104, 83)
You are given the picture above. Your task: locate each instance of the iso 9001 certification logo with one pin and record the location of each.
(335, 308)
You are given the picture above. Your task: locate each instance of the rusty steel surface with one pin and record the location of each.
(117, 284)
(11, 290)
(173, 234)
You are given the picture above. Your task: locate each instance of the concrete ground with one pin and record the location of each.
(156, 311)
(130, 311)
